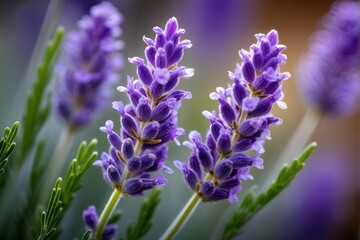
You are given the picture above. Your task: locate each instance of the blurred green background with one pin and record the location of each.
(323, 201)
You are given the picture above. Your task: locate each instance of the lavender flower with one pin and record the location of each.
(217, 166)
(95, 61)
(90, 217)
(149, 121)
(329, 74)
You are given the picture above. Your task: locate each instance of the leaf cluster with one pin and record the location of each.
(53, 213)
(37, 108)
(144, 221)
(64, 191)
(85, 157)
(251, 204)
(7, 145)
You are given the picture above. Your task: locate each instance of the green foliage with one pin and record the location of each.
(51, 217)
(144, 222)
(26, 217)
(37, 107)
(7, 145)
(84, 159)
(61, 196)
(251, 204)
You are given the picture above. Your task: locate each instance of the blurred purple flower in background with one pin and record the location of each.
(217, 166)
(317, 198)
(95, 61)
(149, 121)
(329, 74)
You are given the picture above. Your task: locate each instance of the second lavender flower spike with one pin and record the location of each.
(234, 142)
(218, 165)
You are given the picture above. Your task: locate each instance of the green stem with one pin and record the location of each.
(106, 213)
(182, 217)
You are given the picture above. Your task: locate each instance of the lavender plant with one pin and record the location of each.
(148, 122)
(217, 166)
(95, 61)
(84, 88)
(329, 73)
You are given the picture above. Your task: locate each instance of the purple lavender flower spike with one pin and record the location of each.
(219, 164)
(149, 120)
(95, 61)
(329, 75)
(90, 218)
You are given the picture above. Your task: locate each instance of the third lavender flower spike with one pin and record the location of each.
(149, 121)
(95, 62)
(330, 72)
(218, 165)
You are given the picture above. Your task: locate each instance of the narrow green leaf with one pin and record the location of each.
(86, 235)
(53, 213)
(7, 145)
(115, 217)
(251, 205)
(144, 221)
(38, 107)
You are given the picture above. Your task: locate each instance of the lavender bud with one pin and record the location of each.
(144, 111)
(147, 161)
(115, 140)
(190, 176)
(176, 56)
(227, 112)
(239, 94)
(160, 58)
(127, 148)
(90, 217)
(224, 143)
(113, 175)
(161, 111)
(243, 144)
(195, 165)
(144, 73)
(133, 186)
(263, 107)
(205, 157)
(151, 130)
(109, 232)
(240, 160)
(258, 60)
(248, 71)
(251, 126)
(133, 164)
(207, 188)
(128, 124)
(223, 169)
(170, 28)
(172, 82)
(215, 129)
(150, 55)
(229, 184)
(219, 194)
(159, 40)
(156, 90)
